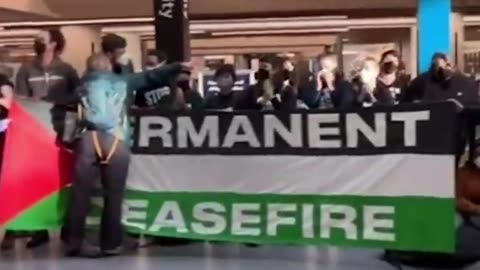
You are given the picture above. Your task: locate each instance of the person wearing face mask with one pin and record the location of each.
(225, 99)
(193, 99)
(155, 59)
(103, 149)
(442, 82)
(115, 48)
(50, 80)
(391, 78)
(366, 87)
(259, 96)
(328, 90)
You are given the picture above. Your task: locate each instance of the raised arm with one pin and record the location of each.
(154, 78)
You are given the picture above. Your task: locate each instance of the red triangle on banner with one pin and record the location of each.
(33, 168)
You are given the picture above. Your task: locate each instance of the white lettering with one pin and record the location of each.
(240, 219)
(410, 120)
(316, 131)
(307, 217)
(167, 9)
(272, 126)
(147, 132)
(371, 223)
(274, 219)
(355, 125)
(135, 213)
(239, 123)
(186, 130)
(169, 216)
(346, 223)
(209, 212)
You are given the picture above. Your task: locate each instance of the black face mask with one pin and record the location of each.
(442, 74)
(262, 75)
(389, 67)
(286, 75)
(184, 85)
(39, 47)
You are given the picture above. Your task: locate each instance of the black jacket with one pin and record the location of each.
(427, 88)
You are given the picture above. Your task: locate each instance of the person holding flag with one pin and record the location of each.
(51, 82)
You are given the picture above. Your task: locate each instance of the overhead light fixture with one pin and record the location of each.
(276, 32)
(77, 22)
(245, 24)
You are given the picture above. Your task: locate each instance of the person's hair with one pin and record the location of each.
(98, 62)
(226, 69)
(112, 42)
(326, 55)
(369, 59)
(57, 36)
(395, 53)
(161, 55)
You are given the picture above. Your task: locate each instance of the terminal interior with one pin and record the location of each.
(240, 33)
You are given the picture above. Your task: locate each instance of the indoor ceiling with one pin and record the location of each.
(203, 8)
(215, 9)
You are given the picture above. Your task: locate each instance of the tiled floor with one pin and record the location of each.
(201, 256)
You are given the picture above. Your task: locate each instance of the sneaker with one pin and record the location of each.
(8, 243)
(85, 251)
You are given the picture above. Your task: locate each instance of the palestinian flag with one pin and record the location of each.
(35, 171)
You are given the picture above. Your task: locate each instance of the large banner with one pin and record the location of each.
(379, 178)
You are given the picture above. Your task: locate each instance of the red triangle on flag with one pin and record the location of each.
(33, 168)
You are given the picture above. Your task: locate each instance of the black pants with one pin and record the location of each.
(113, 177)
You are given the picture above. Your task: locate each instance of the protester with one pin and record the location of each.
(328, 90)
(225, 99)
(391, 78)
(6, 99)
(155, 59)
(260, 95)
(107, 132)
(115, 48)
(176, 96)
(440, 83)
(366, 88)
(193, 99)
(49, 79)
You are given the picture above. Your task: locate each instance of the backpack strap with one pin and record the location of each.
(98, 148)
(96, 140)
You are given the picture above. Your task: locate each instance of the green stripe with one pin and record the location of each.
(46, 214)
(422, 224)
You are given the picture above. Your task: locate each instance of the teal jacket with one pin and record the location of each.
(105, 96)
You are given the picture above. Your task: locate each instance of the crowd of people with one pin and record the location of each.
(110, 86)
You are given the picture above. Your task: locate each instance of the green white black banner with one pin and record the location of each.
(381, 177)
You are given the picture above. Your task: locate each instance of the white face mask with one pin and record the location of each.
(368, 76)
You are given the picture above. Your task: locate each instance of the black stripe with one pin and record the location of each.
(434, 136)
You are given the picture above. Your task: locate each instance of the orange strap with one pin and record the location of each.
(98, 148)
(96, 141)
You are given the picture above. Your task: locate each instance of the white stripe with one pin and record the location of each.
(382, 175)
